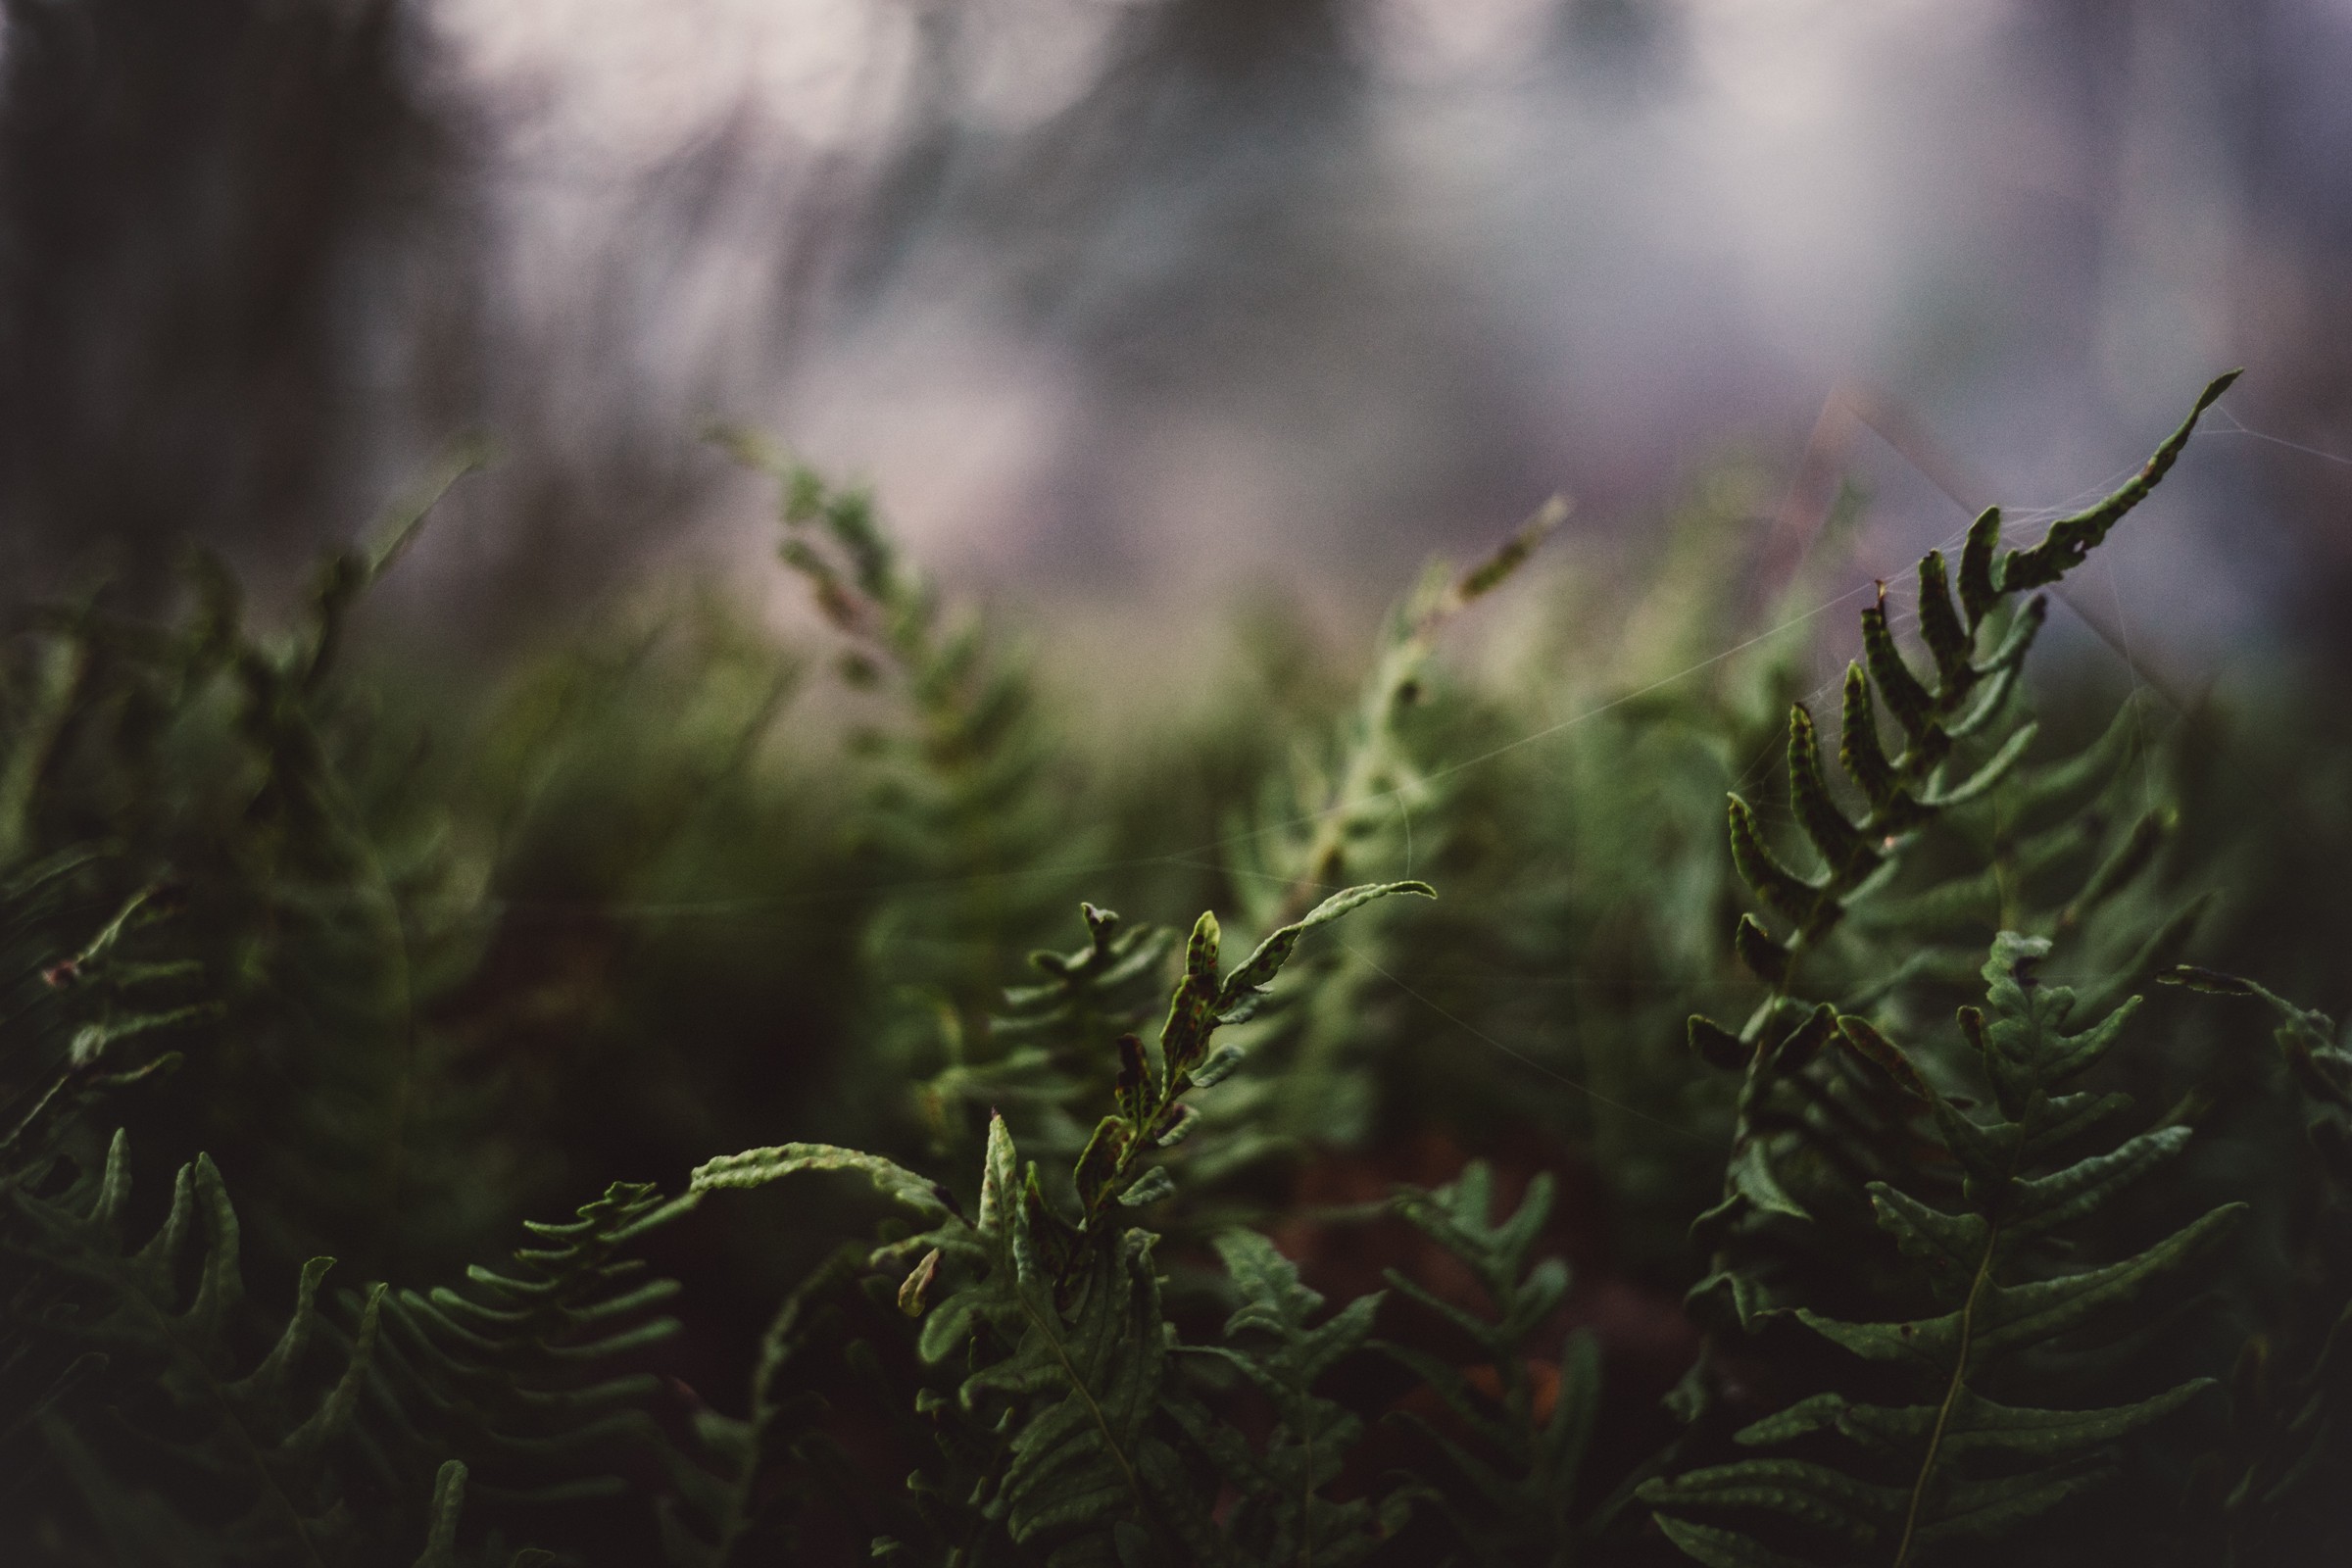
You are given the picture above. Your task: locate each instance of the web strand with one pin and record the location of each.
(1522, 1057)
(2238, 426)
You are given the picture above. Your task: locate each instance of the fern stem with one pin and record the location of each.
(1078, 1385)
(1951, 1393)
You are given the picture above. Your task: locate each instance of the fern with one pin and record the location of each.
(1280, 1514)
(1046, 1045)
(1057, 1441)
(71, 1013)
(1346, 811)
(441, 1531)
(246, 1455)
(174, 1445)
(1977, 653)
(351, 923)
(1937, 1273)
(240, 769)
(1824, 1104)
(1347, 805)
(514, 1374)
(2290, 1391)
(1902, 1484)
(1515, 1494)
(503, 1389)
(958, 813)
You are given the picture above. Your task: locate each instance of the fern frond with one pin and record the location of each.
(1345, 812)
(247, 1459)
(80, 1020)
(960, 804)
(240, 769)
(1961, 707)
(1908, 1483)
(1281, 1514)
(2292, 1387)
(514, 1373)
(1045, 1054)
(1342, 809)
(1958, 836)
(1061, 1440)
(1514, 1493)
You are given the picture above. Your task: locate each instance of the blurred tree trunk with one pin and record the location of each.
(228, 264)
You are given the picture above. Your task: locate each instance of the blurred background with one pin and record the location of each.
(1124, 300)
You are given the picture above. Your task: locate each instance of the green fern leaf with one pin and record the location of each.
(1512, 1495)
(261, 1441)
(2071, 539)
(1974, 1467)
(1282, 1516)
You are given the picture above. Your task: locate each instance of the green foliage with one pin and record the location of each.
(80, 1017)
(243, 774)
(510, 1373)
(247, 1444)
(1182, 1259)
(1345, 811)
(1047, 1043)
(1281, 1513)
(1515, 1497)
(1965, 1463)
(1058, 1440)
(2290, 1390)
(177, 1448)
(1977, 652)
(958, 810)
(1941, 856)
